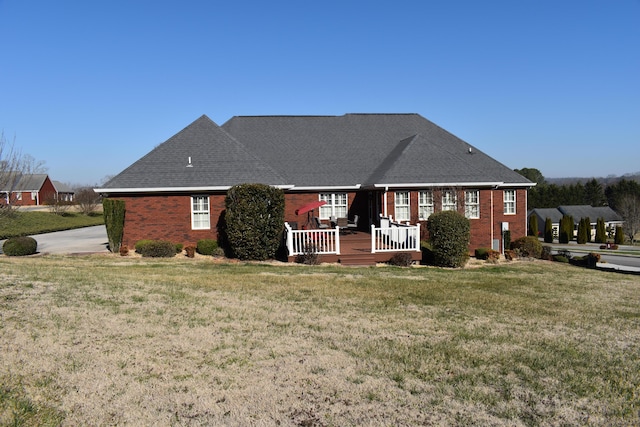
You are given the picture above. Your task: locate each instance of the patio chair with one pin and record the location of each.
(319, 224)
(353, 225)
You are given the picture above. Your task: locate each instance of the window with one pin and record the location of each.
(19, 196)
(509, 202)
(402, 206)
(336, 205)
(34, 195)
(425, 204)
(472, 204)
(449, 201)
(200, 213)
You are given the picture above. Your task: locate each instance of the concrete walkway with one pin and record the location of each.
(79, 241)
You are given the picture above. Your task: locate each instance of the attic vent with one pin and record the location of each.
(470, 150)
(189, 165)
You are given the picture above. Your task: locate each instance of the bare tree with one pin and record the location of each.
(87, 200)
(629, 210)
(10, 167)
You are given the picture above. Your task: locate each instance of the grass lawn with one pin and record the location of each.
(110, 340)
(24, 223)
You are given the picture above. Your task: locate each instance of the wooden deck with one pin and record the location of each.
(355, 249)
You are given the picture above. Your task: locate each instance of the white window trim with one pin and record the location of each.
(425, 203)
(195, 212)
(509, 203)
(332, 203)
(454, 205)
(406, 206)
(476, 204)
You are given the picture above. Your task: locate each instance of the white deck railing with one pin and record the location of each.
(395, 237)
(326, 241)
(389, 237)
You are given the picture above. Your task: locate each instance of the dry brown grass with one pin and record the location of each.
(109, 340)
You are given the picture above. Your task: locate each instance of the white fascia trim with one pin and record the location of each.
(441, 184)
(515, 184)
(173, 189)
(327, 188)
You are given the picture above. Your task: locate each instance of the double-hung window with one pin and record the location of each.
(509, 202)
(402, 208)
(425, 204)
(336, 206)
(449, 200)
(200, 216)
(472, 204)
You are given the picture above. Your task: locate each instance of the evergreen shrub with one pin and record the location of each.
(527, 246)
(206, 246)
(449, 233)
(20, 246)
(156, 248)
(619, 239)
(533, 226)
(114, 211)
(254, 221)
(548, 231)
(601, 231)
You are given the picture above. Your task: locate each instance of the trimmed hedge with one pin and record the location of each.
(254, 221)
(449, 233)
(527, 246)
(156, 248)
(207, 246)
(20, 246)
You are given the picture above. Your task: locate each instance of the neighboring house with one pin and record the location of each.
(371, 165)
(64, 193)
(27, 190)
(611, 218)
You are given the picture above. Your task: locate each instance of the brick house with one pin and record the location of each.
(27, 189)
(397, 166)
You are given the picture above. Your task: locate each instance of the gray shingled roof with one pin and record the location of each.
(593, 213)
(217, 160)
(314, 151)
(25, 182)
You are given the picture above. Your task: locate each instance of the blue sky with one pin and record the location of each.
(89, 87)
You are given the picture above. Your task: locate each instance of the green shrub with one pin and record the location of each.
(566, 229)
(156, 248)
(449, 234)
(20, 246)
(401, 259)
(619, 239)
(527, 246)
(548, 231)
(207, 246)
(533, 226)
(114, 211)
(582, 231)
(482, 253)
(546, 253)
(560, 258)
(179, 247)
(601, 231)
(254, 221)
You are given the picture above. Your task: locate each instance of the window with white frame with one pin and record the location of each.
(472, 204)
(19, 197)
(402, 208)
(336, 206)
(425, 204)
(449, 200)
(509, 202)
(34, 195)
(200, 218)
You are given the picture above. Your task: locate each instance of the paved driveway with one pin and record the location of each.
(80, 240)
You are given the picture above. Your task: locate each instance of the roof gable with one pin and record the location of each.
(199, 156)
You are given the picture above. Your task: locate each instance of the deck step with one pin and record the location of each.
(357, 259)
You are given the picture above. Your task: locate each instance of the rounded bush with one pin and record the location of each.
(560, 258)
(527, 246)
(449, 233)
(156, 248)
(401, 259)
(206, 246)
(20, 246)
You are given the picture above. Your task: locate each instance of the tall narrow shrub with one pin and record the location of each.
(566, 229)
(587, 223)
(113, 212)
(548, 231)
(449, 234)
(254, 220)
(619, 239)
(582, 232)
(601, 231)
(533, 226)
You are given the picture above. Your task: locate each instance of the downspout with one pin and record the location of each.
(384, 199)
(492, 234)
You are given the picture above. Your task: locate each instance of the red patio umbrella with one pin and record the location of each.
(308, 208)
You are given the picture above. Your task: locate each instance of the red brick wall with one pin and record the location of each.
(168, 217)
